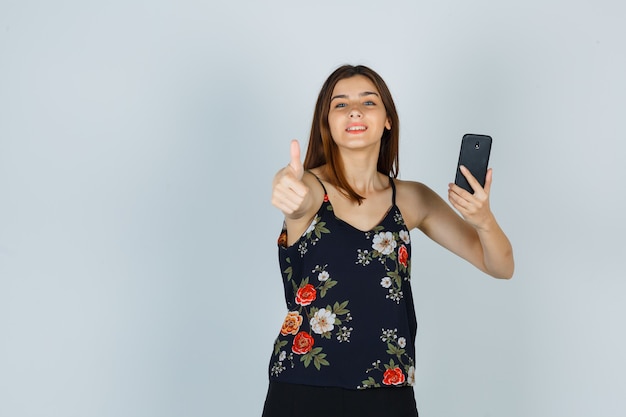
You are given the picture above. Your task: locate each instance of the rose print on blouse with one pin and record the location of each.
(306, 295)
(292, 323)
(302, 343)
(323, 321)
(393, 376)
(384, 243)
(309, 321)
(403, 256)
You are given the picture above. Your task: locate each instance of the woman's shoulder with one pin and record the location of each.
(414, 199)
(412, 189)
(314, 179)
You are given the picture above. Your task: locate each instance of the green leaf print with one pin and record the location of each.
(319, 229)
(390, 365)
(304, 282)
(289, 270)
(340, 309)
(370, 383)
(319, 360)
(328, 284)
(279, 345)
(394, 349)
(316, 356)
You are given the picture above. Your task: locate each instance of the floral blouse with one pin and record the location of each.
(350, 321)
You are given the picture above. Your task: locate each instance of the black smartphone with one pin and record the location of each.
(474, 155)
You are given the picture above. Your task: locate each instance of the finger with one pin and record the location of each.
(472, 181)
(459, 192)
(296, 163)
(286, 199)
(456, 199)
(488, 180)
(295, 186)
(286, 205)
(463, 200)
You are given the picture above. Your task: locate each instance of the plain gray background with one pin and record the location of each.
(138, 141)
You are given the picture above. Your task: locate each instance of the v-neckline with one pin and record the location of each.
(372, 229)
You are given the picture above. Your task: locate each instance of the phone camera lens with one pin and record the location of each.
(477, 146)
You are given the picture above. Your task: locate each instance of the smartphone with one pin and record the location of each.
(474, 155)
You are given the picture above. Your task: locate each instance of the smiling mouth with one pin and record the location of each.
(356, 129)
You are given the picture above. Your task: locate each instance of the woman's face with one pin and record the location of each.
(357, 116)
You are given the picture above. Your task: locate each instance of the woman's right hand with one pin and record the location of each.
(289, 192)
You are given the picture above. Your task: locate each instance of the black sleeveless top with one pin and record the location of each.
(351, 319)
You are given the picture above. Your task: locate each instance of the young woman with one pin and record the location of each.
(346, 347)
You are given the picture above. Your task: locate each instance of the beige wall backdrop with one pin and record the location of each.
(138, 140)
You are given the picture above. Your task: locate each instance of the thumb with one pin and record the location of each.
(295, 162)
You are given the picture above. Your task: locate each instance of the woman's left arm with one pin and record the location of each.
(474, 235)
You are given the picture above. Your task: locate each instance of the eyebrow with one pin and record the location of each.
(363, 94)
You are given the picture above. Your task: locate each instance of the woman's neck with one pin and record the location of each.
(361, 172)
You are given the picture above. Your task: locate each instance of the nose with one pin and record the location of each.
(355, 113)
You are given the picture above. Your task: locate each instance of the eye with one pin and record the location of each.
(340, 105)
(369, 103)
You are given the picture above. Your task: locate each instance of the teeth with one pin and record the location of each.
(350, 129)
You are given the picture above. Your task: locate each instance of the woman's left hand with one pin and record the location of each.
(473, 207)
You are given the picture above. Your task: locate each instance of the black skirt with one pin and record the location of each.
(291, 400)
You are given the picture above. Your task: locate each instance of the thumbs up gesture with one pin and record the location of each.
(289, 192)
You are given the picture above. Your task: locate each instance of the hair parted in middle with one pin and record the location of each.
(322, 149)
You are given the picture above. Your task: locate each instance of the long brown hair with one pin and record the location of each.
(322, 148)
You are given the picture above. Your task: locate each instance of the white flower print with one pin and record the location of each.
(411, 376)
(302, 248)
(312, 225)
(344, 334)
(389, 334)
(384, 243)
(323, 276)
(277, 368)
(402, 342)
(363, 257)
(405, 236)
(323, 321)
(385, 282)
(395, 295)
(282, 356)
